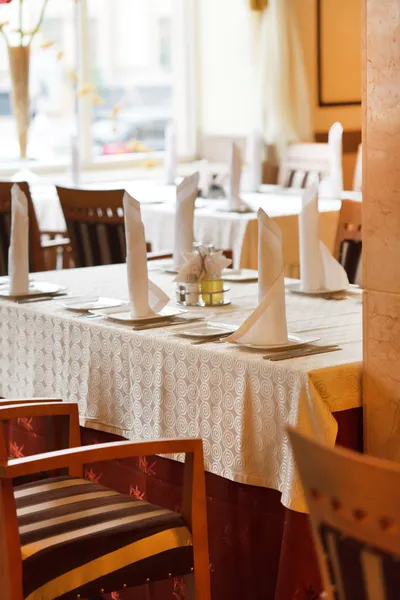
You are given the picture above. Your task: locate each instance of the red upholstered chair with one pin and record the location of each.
(354, 503)
(66, 537)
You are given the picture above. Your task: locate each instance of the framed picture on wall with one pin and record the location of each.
(339, 52)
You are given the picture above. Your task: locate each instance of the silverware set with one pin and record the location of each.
(300, 352)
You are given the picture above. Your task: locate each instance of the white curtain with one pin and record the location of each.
(282, 107)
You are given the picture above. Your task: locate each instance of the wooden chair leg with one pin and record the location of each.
(201, 580)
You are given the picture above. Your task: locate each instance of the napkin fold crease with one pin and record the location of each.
(319, 270)
(146, 298)
(267, 323)
(186, 194)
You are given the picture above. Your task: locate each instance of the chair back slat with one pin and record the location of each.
(36, 256)
(303, 164)
(354, 503)
(95, 222)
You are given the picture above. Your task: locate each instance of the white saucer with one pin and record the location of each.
(296, 288)
(123, 315)
(205, 330)
(85, 305)
(240, 275)
(294, 342)
(36, 289)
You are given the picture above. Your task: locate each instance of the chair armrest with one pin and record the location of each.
(18, 401)
(79, 456)
(159, 255)
(57, 243)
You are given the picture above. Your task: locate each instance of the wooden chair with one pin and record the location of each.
(42, 255)
(95, 223)
(67, 537)
(354, 504)
(303, 164)
(357, 181)
(348, 244)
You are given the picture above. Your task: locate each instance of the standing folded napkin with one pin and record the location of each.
(318, 269)
(235, 175)
(267, 324)
(171, 155)
(146, 297)
(18, 253)
(255, 157)
(186, 194)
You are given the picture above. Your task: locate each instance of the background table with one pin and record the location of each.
(147, 384)
(229, 231)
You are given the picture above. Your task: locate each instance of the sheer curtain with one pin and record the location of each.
(282, 107)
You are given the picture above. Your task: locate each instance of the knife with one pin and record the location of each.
(276, 356)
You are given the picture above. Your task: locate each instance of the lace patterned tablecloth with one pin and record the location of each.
(150, 384)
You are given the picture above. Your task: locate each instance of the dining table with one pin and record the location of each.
(213, 223)
(154, 383)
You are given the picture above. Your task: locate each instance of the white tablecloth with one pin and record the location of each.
(150, 384)
(229, 231)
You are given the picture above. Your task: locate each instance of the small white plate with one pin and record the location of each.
(240, 275)
(205, 330)
(36, 289)
(85, 305)
(123, 315)
(295, 288)
(294, 342)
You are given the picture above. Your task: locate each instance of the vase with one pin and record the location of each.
(19, 68)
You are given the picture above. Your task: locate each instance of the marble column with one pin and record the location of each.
(381, 226)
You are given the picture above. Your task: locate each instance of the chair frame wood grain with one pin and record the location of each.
(355, 494)
(193, 507)
(307, 158)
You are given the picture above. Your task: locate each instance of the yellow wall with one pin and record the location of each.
(345, 20)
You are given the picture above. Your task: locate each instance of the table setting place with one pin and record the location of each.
(201, 276)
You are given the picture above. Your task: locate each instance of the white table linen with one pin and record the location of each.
(149, 384)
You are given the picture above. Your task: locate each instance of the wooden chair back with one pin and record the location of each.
(95, 223)
(348, 244)
(36, 257)
(304, 164)
(354, 504)
(357, 181)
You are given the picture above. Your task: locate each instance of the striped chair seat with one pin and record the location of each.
(80, 539)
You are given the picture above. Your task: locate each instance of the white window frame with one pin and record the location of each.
(185, 95)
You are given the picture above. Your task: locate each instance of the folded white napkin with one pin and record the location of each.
(146, 297)
(336, 168)
(318, 269)
(235, 175)
(267, 324)
(75, 166)
(171, 155)
(255, 157)
(18, 253)
(204, 178)
(186, 194)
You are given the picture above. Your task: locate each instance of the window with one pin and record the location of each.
(113, 74)
(51, 90)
